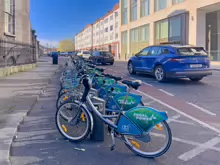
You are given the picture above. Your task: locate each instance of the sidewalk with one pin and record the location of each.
(19, 93)
(215, 65)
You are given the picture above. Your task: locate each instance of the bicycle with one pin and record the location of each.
(132, 127)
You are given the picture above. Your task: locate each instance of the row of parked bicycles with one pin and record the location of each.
(85, 91)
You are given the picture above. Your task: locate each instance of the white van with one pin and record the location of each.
(84, 54)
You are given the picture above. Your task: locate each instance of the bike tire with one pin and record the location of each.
(62, 132)
(169, 133)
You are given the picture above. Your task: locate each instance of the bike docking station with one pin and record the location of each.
(98, 132)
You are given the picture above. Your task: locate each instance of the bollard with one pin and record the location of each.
(55, 59)
(98, 132)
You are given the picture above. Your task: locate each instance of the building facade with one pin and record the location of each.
(84, 39)
(15, 20)
(148, 22)
(104, 34)
(18, 41)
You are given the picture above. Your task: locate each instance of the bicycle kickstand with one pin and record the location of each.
(113, 140)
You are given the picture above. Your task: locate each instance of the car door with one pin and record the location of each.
(141, 64)
(152, 57)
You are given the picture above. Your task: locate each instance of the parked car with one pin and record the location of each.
(102, 57)
(171, 61)
(63, 53)
(84, 54)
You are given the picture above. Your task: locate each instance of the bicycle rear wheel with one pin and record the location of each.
(73, 130)
(150, 150)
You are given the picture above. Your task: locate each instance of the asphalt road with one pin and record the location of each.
(196, 139)
(205, 93)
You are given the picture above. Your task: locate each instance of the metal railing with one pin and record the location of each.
(16, 53)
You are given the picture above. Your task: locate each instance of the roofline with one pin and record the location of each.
(116, 7)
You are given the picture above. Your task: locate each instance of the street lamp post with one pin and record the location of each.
(209, 40)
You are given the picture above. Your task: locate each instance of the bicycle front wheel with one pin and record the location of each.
(73, 121)
(154, 144)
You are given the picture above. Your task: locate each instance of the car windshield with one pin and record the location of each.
(86, 52)
(105, 53)
(190, 51)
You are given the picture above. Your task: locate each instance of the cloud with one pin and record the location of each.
(49, 43)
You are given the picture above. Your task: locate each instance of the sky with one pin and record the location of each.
(56, 20)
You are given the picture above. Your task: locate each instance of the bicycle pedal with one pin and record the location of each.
(112, 147)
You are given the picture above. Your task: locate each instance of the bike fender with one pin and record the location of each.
(90, 116)
(146, 117)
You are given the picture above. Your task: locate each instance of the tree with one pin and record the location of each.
(66, 46)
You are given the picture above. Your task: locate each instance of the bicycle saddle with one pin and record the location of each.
(115, 78)
(91, 65)
(133, 84)
(107, 75)
(100, 69)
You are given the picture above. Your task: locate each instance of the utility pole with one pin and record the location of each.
(47, 48)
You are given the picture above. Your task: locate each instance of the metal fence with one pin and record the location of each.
(16, 53)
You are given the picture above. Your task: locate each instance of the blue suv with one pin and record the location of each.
(171, 61)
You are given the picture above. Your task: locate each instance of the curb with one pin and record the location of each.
(8, 161)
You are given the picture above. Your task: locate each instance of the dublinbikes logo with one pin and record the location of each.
(130, 101)
(125, 128)
(144, 117)
(116, 91)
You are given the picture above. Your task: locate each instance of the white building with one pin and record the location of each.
(84, 40)
(104, 34)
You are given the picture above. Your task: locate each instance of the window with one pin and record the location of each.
(145, 33)
(124, 11)
(111, 18)
(154, 51)
(106, 38)
(177, 1)
(145, 8)
(145, 51)
(111, 27)
(106, 29)
(111, 37)
(162, 31)
(116, 36)
(171, 29)
(133, 10)
(116, 25)
(105, 53)
(116, 14)
(9, 16)
(175, 27)
(190, 51)
(134, 35)
(124, 37)
(106, 20)
(160, 4)
(163, 51)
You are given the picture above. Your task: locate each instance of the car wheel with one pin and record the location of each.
(131, 68)
(159, 74)
(111, 63)
(196, 79)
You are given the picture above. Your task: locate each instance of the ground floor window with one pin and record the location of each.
(124, 37)
(171, 29)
